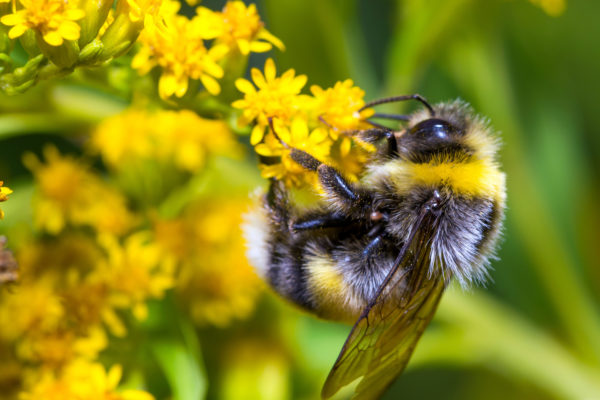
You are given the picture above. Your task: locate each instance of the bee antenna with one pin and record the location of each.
(284, 144)
(395, 99)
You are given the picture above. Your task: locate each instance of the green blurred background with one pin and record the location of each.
(534, 331)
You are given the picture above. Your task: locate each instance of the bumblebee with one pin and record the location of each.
(381, 251)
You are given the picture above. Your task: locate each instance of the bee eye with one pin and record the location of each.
(433, 128)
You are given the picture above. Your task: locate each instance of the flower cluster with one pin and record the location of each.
(96, 257)
(215, 283)
(322, 124)
(181, 138)
(176, 44)
(82, 379)
(71, 33)
(4, 192)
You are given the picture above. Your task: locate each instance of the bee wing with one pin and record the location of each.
(384, 337)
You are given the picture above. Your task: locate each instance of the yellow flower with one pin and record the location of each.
(52, 297)
(179, 137)
(277, 98)
(242, 28)
(176, 45)
(30, 307)
(350, 157)
(316, 143)
(69, 193)
(188, 139)
(80, 380)
(214, 281)
(53, 19)
(339, 106)
(4, 192)
(135, 272)
(138, 9)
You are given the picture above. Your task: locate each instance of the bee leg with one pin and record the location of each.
(331, 180)
(278, 204)
(346, 195)
(320, 222)
(373, 246)
(376, 134)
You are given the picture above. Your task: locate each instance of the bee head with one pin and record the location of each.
(432, 137)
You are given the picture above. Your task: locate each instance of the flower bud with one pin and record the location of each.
(96, 12)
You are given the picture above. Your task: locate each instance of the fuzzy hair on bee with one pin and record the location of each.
(380, 252)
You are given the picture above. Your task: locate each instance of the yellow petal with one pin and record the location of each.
(166, 85)
(11, 19)
(269, 37)
(53, 38)
(213, 69)
(256, 135)
(244, 46)
(260, 47)
(114, 376)
(299, 130)
(69, 30)
(318, 135)
(345, 146)
(244, 86)
(211, 84)
(17, 31)
(74, 14)
(258, 78)
(270, 71)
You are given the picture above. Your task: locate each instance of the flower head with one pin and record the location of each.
(243, 29)
(4, 192)
(69, 193)
(340, 106)
(179, 137)
(298, 136)
(214, 280)
(273, 97)
(176, 45)
(53, 19)
(82, 379)
(135, 271)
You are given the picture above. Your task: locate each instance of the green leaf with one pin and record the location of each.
(182, 368)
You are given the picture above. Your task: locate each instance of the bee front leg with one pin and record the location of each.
(377, 134)
(343, 193)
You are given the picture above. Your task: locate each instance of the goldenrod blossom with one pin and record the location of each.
(69, 193)
(82, 379)
(4, 192)
(53, 19)
(179, 137)
(176, 45)
(138, 9)
(316, 143)
(340, 106)
(135, 271)
(214, 280)
(243, 29)
(276, 98)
